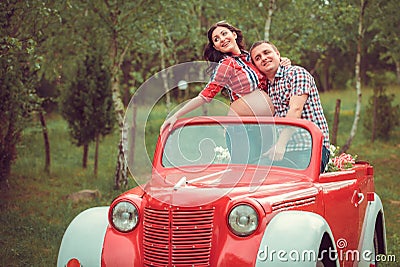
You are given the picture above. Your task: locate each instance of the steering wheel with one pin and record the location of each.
(285, 162)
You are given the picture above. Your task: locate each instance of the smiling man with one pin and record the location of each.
(293, 93)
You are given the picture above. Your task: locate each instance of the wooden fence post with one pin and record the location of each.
(336, 122)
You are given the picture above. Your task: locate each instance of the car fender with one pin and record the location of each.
(84, 238)
(372, 215)
(293, 238)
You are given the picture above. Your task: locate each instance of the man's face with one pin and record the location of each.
(266, 59)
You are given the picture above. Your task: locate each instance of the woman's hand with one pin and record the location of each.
(275, 153)
(285, 62)
(168, 122)
(189, 106)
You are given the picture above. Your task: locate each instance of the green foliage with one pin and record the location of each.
(383, 117)
(34, 210)
(17, 96)
(87, 102)
(387, 29)
(22, 32)
(37, 204)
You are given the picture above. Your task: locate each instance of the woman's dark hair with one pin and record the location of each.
(213, 55)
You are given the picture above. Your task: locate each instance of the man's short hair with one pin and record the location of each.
(263, 42)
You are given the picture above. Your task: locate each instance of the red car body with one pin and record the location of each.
(184, 212)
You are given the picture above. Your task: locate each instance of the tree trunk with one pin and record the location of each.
(397, 71)
(317, 77)
(267, 28)
(336, 123)
(374, 115)
(163, 72)
(126, 70)
(121, 171)
(8, 155)
(120, 177)
(358, 77)
(131, 160)
(96, 156)
(46, 142)
(326, 81)
(85, 155)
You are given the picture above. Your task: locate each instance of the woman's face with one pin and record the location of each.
(224, 40)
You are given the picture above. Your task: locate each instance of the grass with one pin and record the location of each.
(384, 156)
(35, 211)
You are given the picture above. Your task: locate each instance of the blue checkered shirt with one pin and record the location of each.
(295, 80)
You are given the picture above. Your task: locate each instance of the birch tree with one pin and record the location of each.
(360, 34)
(268, 21)
(123, 24)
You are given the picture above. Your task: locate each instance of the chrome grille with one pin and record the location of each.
(156, 237)
(177, 237)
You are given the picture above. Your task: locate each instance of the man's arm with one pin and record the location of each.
(296, 105)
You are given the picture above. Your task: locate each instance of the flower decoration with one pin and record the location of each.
(222, 155)
(339, 162)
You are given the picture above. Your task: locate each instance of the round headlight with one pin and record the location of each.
(125, 216)
(243, 220)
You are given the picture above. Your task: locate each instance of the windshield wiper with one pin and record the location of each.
(183, 180)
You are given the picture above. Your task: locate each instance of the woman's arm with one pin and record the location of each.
(219, 78)
(191, 105)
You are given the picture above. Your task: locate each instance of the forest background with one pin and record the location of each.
(56, 54)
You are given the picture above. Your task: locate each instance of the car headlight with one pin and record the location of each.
(243, 220)
(125, 216)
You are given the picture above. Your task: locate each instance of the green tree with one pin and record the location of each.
(384, 115)
(357, 72)
(74, 108)
(386, 23)
(20, 62)
(17, 97)
(102, 109)
(122, 24)
(24, 31)
(87, 104)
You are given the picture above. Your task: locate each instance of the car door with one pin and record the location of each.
(344, 209)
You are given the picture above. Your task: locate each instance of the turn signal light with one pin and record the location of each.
(73, 263)
(371, 196)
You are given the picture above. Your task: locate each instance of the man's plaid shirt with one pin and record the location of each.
(295, 80)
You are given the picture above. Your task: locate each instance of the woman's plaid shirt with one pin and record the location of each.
(237, 74)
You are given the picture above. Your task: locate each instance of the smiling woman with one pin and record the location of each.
(225, 40)
(234, 72)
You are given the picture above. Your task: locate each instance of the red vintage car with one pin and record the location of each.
(216, 199)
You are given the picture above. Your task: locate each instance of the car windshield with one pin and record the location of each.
(209, 144)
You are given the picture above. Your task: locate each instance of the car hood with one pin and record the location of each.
(197, 188)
